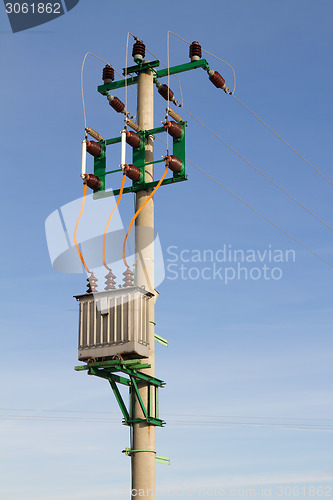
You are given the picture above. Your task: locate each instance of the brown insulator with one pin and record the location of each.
(128, 278)
(195, 51)
(110, 281)
(164, 91)
(93, 182)
(174, 163)
(117, 104)
(139, 51)
(133, 139)
(173, 128)
(132, 172)
(108, 74)
(92, 283)
(216, 79)
(94, 148)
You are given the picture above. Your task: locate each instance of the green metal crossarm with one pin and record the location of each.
(108, 375)
(202, 63)
(141, 366)
(115, 140)
(114, 171)
(152, 131)
(155, 161)
(111, 362)
(144, 66)
(106, 368)
(134, 189)
(143, 376)
(144, 133)
(103, 89)
(179, 150)
(150, 420)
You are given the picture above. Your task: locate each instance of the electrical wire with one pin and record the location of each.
(192, 423)
(256, 116)
(261, 215)
(128, 34)
(109, 220)
(82, 92)
(281, 139)
(168, 61)
(256, 211)
(190, 415)
(260, 172)
(137, 213)
(76, 227)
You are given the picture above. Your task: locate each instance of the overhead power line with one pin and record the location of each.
(254, 114)
(259, 171)
(299, 424)
(256, 211)
(232, 149)
(261, 215)
(281, 139)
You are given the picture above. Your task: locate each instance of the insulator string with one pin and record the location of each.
(260, 172)
(281, 139)
(255, 211)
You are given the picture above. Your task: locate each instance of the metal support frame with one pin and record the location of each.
(132, 80)
(142, 410)
(179, 150)
(108, 370)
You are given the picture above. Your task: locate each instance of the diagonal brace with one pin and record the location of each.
(120, 400)
(143, 408)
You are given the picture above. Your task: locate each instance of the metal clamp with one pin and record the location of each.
(129, 451)
(158, 458)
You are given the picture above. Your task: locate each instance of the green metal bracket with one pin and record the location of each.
(158, 458)
(162, 460)
(139, 67)
(119, 399)
(128, 451)
(161, 340)
(179, 150)
(103, 89)
(202, 63)
(108, 370)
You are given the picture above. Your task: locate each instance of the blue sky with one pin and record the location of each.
(249, 363)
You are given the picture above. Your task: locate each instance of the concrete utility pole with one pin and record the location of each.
(143, 437)
(105, 351)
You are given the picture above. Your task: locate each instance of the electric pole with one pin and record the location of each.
(143, 434)
(117, 325)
